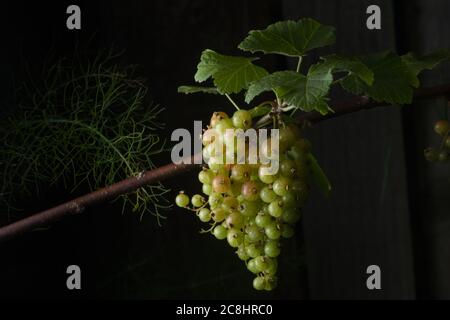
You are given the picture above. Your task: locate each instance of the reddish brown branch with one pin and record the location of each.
(128, 185)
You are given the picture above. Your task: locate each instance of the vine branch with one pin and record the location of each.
(78, 205)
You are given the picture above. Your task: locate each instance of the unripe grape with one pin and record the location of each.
(218, 214)
(289, 199)
(223, 125)
(442, 127)
(209, 137)
(276, 208)
(266, 177)
(251, 266)
(259, 283)
(282, 186)
(207, 189)
(217, 117)
(197, 200)
(288, 168)
(220, 232)
(234, 237)
(254, 233)
(286, 138)
(272, 266)
(249, 208)
(221, 184)
(253, 250)
(242, 254)
(272, 249)
(242, 119)
(205, 176)
(215, 200)
(262, 220)
(235, 220)
(271, 283)
(272, 231)
(261, 263)
(267, 195)
(241, 172)
(204, 215)
(182, 200)
(230, 203)
(250, 190)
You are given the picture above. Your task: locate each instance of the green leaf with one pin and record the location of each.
(349, 65)
(304, 92)
(392, 79)
(231, 74)
(290, 38)
(319, 176)
(416, 64)
(195, 89)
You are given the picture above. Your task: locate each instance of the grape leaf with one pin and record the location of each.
(348, 65)
(195, 89)
(231, 74)
(392, 79)
(304, 92)
(290, 38)
(319, 176)
(417, 64)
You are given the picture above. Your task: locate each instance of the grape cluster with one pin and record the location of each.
(249, 207)
(441, 154)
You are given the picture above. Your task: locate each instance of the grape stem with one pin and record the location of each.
(232, 102)
(171, 170)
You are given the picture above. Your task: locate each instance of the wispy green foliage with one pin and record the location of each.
(87, 125)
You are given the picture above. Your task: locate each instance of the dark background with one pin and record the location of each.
(388, 206)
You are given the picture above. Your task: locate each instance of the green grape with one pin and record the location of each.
(281, 186)
(261, 263)
(272, 231)
(234, 237)
(253, 250)
(251, 266)
(204, 215)
(207, 189)
(259, 283)
(276, 208)
(272, 266)
(210, 136)
(250, 190)
(221, 184)
(291, 215)
(287, 231)
(217, 117)
(235, 220)
(205, 176)
(218, 214)
(242, 119)
(223, 125)
(249, 208)
(254, 233)
(289, 199)
(197, 200)
(230, 203)
(265, 174)
(263, 220)
(271, 283)
(242, 254)
(442, 127)
(220, 232)
(182, 200)
(241, 172)
(267, 195)
(215, 200)
(235, 189)
(272, 249)
(288, 168)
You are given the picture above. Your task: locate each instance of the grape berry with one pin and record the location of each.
(441, 154)
(249, 207)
